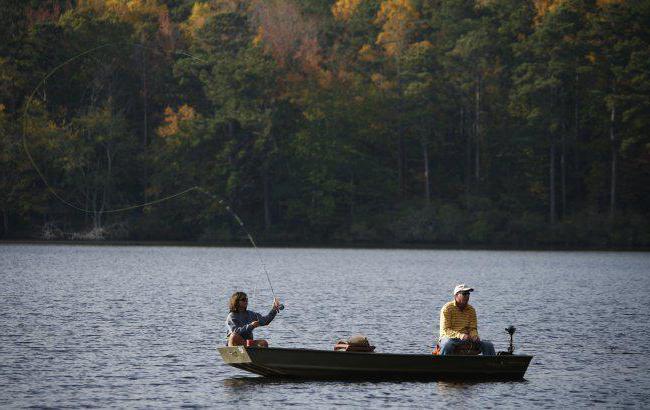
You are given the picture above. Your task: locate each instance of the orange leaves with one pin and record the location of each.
(257, 40)
(146, 16)
(308, 54)
(591, 57)
(421, 47)
(127, 10)
(383, 83)
(286, 34)
(165, 30)
(46, 11)
(603, 3)
(344, 9)
(367, 54)
(197, 19)
(398, 19)
(484, 3)
(173, 120)
(202, 11)
(545, 6)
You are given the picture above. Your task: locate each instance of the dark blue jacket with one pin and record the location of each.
(240, 322)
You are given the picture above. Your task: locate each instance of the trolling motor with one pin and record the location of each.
(511, 331)
(511, 349)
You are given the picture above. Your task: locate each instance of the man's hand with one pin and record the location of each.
(276, 304)
(464, 336)
(255, 323)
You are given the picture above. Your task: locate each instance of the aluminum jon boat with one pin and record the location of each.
(326, 364)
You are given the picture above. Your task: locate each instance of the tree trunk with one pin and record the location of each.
(576, 130)
(468, 156)
(145, 136)
(86, 206)
(97, 216)
(352, 198)
(97, 220)
(401, 149)
(563, 174)
(5, 223)
(267, 197)
(427, 183)
(107, 179)
(614, 151)
(401, 164)
(477, 129)
(552, 204)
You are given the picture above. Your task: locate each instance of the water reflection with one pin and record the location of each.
(454, 387)
(246, 383)
(442, 386)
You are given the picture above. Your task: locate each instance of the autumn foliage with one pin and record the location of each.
(517, 123)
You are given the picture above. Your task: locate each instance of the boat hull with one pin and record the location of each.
(325, 364)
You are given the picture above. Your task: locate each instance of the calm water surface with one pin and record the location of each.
(116, 326)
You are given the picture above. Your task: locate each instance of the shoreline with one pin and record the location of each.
(290, 245)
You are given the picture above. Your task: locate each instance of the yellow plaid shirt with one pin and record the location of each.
(454, 322)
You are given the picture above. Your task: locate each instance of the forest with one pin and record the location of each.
(461, 123)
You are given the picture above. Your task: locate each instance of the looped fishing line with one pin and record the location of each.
(38, 170)
(130, 207)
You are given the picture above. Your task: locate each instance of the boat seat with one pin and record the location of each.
(463, 349)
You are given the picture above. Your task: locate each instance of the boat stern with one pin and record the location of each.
(234, 355)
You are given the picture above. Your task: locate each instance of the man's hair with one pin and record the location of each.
(234, 301)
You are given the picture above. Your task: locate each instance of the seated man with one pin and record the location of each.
(241, 321)
(458, 324)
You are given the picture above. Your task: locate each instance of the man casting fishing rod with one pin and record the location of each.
(241, 321)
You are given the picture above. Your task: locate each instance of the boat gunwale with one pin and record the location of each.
(307, 350)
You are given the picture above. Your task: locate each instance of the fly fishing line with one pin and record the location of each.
(51, 189)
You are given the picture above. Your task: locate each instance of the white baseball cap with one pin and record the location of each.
(462, 288)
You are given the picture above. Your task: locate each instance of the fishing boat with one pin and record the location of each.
(326, 364)
(357, 360)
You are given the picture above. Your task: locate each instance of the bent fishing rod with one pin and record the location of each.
(250, 237)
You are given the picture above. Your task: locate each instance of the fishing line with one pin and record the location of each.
(36, 167)
(250, 237)
(130, 207)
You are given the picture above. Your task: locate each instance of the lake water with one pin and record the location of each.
(114, 326)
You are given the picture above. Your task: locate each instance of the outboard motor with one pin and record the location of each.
(511, 349)
(511, 331)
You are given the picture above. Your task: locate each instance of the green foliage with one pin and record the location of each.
(464, 130)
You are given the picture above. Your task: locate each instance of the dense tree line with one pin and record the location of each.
(460, 122)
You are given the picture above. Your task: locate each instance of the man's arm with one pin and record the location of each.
(265, 320)
(473, 326)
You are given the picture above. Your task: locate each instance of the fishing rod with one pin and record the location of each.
(250, 237)
(136, 206)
